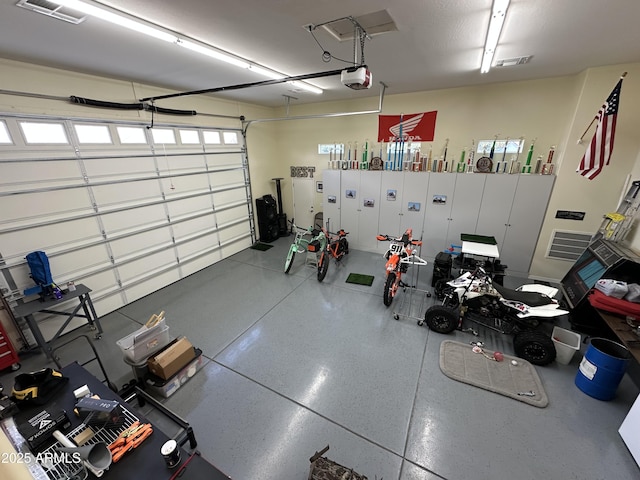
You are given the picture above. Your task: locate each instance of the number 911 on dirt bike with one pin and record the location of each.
(399, 256)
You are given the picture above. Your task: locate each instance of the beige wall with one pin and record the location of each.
(601, 195)
(554, 111)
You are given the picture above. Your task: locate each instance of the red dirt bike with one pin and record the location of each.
(337, 248)
(400, 250)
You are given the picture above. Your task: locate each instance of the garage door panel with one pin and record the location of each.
(192, 227)
(184, 186)
(135, 244)
(189, 206)
(236, 246)
(141, 268)
(65, 235)
(117, 217)
(235, 195)
(227, 177)
(224, 159)
(181, 163)
(34, 175)
(152, 284)
(78, 263)
(195, 264)
(133, 219)
(231, 232)
(232, 214)
(35, 207)
(130, 193)
(116, 168)
(198, 245)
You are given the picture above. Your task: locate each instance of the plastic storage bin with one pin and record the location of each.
(144, 342)
(567, 343)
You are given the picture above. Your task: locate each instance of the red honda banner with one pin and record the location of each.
(417, 127)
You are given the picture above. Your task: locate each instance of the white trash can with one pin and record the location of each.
(567, 343)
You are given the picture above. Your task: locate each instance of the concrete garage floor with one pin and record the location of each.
(293, 365)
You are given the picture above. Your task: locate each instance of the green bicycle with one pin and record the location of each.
(306, 240)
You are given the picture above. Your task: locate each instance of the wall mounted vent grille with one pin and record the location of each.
(52, 10)
(568, 245)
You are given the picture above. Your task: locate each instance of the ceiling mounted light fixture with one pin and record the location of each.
(498, 13)
(151, 30)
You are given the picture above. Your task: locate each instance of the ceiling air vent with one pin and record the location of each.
(374, 23)
(512, 62)
(52, 10)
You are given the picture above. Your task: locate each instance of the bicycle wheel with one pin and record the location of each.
(388, 289)
(289, 261)
(323, 266)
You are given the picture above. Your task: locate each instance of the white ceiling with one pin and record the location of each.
(438, 43)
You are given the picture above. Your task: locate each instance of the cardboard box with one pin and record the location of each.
(166, 388)
(172, 359)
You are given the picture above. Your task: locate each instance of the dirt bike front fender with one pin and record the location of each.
(392, 263)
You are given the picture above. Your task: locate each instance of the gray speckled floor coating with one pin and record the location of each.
(292, 365)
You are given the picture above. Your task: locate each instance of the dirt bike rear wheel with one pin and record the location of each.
(323, 266)
(389, 289)
(535, 347)
(441, 319)
(289, 262)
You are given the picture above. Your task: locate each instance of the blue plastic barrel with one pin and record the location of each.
(602, 368)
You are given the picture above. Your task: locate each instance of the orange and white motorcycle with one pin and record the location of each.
(399, 256)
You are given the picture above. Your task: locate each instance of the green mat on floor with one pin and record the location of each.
(261, 246)
(360, 279)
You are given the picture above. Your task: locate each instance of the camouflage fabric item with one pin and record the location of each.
(324, 469)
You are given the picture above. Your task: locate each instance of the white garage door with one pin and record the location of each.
(117, 206)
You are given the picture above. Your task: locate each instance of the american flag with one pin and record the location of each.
(601, 146)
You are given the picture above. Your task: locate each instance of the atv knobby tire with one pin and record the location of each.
(534, 347)
(441, 319)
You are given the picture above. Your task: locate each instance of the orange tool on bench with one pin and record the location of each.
(130, 439)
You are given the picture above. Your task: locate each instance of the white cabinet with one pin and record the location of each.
(453, 205)
(413, 203)
(510, 208)
(391, 186)
(512, 211)
(525, 221)
(465, 205)
(497, 201)
(360, 207)
(438, 213)
(331, 199)
(403, 202)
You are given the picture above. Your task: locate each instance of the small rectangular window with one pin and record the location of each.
(327, 148)
(36, 133)
(5, 138)
(211, 137)
(513, 146)
(163, 135)
(93, 133)
(230, 138)
(131, 135)
(189, 137)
